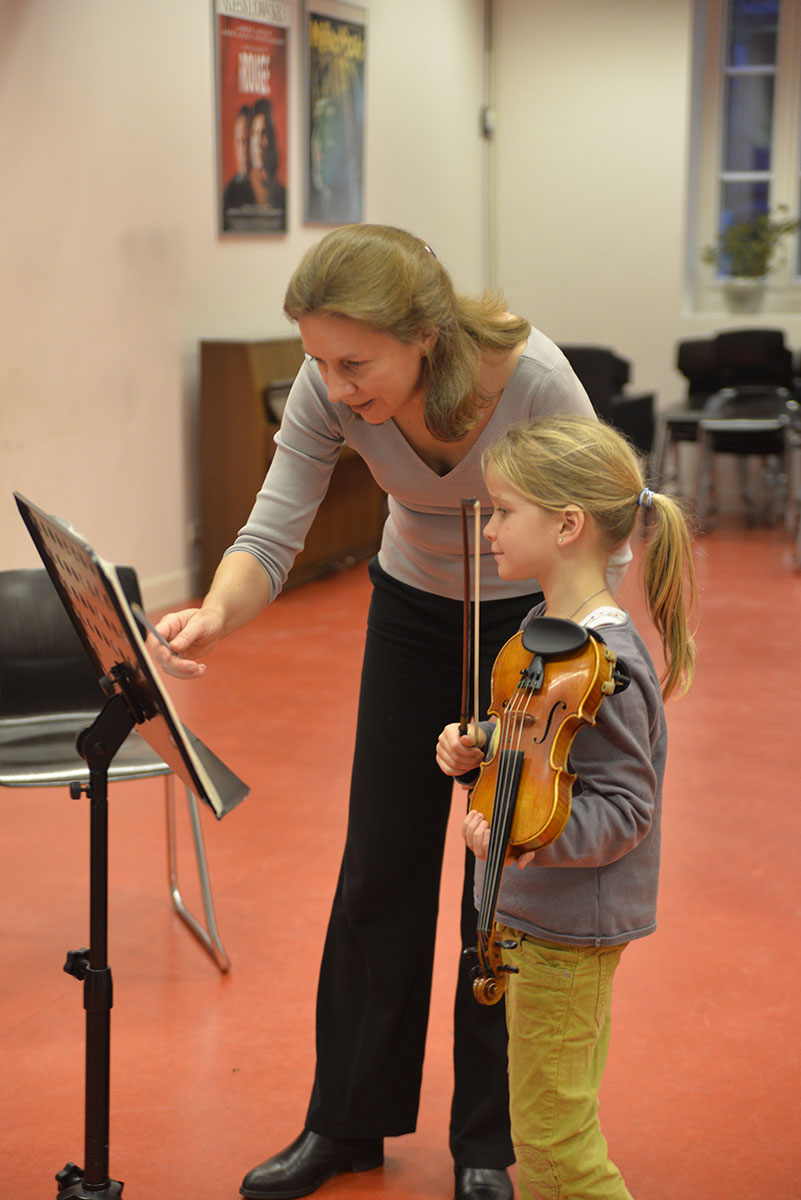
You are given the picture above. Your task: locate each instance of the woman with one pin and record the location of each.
(418, 380)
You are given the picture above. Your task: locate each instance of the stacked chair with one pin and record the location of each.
(741, 400)
(604, 375)
(747, 422)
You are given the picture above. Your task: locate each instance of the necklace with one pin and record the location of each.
(592, 597)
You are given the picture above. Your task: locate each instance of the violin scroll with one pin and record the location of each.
(489, 982)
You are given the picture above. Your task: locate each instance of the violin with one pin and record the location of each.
(548, 681)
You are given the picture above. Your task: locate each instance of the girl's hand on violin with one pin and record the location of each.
(476, 832)
(191, 633)
(457, 753)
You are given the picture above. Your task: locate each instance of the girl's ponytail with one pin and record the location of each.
(671, 591)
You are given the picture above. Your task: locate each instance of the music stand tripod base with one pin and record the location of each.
(70, 1184)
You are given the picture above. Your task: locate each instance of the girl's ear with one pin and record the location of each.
(429, 340)
(571, 523)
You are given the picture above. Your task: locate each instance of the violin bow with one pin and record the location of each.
(464, 720)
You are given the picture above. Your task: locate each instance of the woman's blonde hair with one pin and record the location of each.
(560, 461)
(391, 281)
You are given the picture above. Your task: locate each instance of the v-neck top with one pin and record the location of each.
(422, 537)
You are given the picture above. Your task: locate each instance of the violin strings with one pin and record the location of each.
(512, 726)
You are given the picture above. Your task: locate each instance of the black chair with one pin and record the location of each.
(753, 356)
(748, 422)
(49, 693)
(604, 375)
(731, 358)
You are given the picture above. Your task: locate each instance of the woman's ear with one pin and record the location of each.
(571, 524)
(429, 340)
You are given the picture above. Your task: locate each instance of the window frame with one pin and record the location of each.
(783, 287)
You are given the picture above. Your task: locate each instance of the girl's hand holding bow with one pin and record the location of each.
(457, 753)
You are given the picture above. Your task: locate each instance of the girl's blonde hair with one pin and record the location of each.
(392, 282)
(574, 460)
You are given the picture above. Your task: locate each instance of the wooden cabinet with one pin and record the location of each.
(236, 446)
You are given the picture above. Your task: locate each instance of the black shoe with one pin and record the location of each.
(307, 1163)
(482, 1183)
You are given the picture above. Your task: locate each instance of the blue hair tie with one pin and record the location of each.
(645, 498)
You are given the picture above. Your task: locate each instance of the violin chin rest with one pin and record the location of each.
(551, 636)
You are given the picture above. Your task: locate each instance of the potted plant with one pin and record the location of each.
(747, 251)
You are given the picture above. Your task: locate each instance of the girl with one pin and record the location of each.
(565, 492)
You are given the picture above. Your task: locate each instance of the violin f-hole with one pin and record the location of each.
(559, 704)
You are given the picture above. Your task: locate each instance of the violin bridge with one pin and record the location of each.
(524, 717)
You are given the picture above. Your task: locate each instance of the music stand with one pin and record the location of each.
(95, 602)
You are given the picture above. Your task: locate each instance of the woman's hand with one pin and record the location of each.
(239, 591)
(192, 634)
(458, 753)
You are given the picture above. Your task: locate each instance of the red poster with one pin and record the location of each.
(251, 37)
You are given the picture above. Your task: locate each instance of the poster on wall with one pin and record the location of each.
(251, 51)
(336, 51)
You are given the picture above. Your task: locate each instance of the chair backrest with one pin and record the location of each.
(43, 665)
(753, 356)
(733, 358)
(695, 358)
(603, 373)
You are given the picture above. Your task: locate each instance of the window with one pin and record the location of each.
(749, 76)
(747, 139)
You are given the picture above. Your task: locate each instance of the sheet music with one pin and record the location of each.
(91, 592)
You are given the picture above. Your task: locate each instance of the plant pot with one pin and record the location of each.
(744, 293)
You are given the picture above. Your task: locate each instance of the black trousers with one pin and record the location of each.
(375, 980)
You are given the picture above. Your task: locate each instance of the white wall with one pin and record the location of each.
(111, 269)
(591, 175)
(591, 178)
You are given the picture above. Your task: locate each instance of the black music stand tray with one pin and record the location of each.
(94, 600)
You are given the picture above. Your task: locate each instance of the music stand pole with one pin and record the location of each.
(97, 745)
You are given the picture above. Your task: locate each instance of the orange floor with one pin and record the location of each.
(210, 1074)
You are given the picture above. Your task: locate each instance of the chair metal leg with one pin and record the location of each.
(767, 498)
(704, 480)
(208, 936)
(659, 453)
(777, 484)
(750, 503)
(665, 465)
(792, 456)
